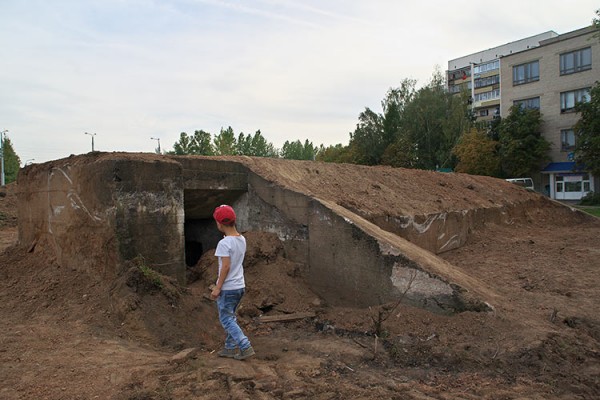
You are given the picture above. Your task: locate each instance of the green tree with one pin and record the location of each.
(298, 151)
(309, 151)
(375, 132)
(367, 139)
(522, 147)
(183, 146)
(587, 132)
(401, 153)
(477, 154)
(336, 154)
(433, 123)
(197, 144)
(202, 143)
(225, 143)
(244, 145)
(256, 145)
(393, 106)
(262, 148)
(12, 162)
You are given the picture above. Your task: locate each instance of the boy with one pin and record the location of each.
(230, 286)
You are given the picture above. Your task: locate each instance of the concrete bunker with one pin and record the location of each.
(100, 210)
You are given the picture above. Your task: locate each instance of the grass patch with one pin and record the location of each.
(149, 274)
(592, 210)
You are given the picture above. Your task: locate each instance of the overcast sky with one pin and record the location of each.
(129, 70)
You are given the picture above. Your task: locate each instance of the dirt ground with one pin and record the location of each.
(70, 335)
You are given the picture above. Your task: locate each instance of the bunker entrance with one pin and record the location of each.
(200, 230)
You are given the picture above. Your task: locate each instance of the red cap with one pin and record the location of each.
(224, 215)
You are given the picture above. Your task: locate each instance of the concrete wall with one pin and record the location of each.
(67, 206)
(354, 262)
(269, 208)
(440, 232)
(100, 211)
(149, 214)
(346, 265)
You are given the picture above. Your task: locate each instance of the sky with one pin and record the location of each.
(132, 70)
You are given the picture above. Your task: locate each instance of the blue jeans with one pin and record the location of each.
(227, 304)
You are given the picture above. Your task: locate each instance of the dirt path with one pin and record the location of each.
(70, 335)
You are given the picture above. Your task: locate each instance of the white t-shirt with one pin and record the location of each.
(233, 247)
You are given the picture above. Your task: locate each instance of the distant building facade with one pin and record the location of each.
(479, 74)
(553, 77)
(549, 72)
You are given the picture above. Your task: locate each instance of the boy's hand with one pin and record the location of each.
(215, 293)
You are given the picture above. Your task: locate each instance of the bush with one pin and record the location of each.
(591, 199)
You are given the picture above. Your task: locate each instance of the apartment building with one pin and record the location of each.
(553, 77)
(479, 74)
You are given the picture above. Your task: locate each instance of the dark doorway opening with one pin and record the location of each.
(200, 229)
(201, 235)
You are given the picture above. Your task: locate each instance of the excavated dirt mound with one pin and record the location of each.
(69, 334)
(385, 191)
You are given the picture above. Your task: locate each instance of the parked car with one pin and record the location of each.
(527, 183)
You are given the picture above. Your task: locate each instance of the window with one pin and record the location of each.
(491, 95)
(459, 75)
(490, 66)
(490, 80)
(567, 140)
(526, 73)
(559, 184)
(573, 183)
(533, 103)
(573, 186)
(569, 99)
(576, 61)
(483, 113)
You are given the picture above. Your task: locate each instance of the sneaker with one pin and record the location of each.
(243, 354)
(229, 353)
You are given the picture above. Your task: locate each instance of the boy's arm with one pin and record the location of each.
(225, 267)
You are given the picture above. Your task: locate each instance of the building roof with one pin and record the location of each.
(498, 51)
(561, 37)
(568, 166)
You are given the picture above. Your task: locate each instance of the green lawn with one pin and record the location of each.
(593, 210)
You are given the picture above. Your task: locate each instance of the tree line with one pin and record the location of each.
(226, 143)
(426, 128)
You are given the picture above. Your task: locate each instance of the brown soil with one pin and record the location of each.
(71, 335)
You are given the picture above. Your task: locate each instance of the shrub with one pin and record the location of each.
(591, 199)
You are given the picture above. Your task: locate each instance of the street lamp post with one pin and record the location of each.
(2, 137)
(92, 135)
(157, 139)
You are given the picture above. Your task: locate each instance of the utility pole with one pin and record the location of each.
(157, 139)
(92, 135)
(2, 137)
